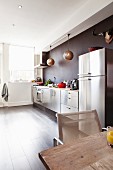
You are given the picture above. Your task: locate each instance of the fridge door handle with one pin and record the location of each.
(84, 74)
(89, 79)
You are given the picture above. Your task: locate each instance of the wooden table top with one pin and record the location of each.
(89, 153)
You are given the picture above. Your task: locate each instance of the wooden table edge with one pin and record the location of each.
(43, 161)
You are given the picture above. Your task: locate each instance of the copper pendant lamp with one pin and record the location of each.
(68, 55)
(50, 61)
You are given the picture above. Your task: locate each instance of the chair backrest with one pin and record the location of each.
(77, 125)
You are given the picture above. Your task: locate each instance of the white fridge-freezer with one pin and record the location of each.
(96, 84)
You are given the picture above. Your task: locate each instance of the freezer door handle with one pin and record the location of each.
(89, 79)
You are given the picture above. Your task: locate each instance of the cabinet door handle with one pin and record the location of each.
(68, 108)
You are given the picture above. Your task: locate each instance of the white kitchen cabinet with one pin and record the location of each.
(72, 99)
(41, 95)
(69, 101)
(34, 91)
(46, 98)
(58, 100)
(67, 109)
(55, 99)
(50, 98)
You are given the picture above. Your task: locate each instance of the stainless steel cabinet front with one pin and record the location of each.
(68, 109)
(69, 101)
(55, 99)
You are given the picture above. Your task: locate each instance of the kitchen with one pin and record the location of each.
(77, 44)
(71, 67)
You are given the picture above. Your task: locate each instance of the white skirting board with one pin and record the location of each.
(10, 104)
(1, 104)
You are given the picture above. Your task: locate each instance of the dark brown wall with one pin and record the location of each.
(68, 70)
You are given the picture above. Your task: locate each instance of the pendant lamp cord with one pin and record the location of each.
(50, 50)
(68, 40)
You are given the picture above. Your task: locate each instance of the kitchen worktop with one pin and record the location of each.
(56, 88)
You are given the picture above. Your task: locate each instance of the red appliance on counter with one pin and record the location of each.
(61, 85)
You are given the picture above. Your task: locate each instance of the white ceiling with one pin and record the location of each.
(41, 23)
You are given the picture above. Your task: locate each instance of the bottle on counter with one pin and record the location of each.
(67, 83)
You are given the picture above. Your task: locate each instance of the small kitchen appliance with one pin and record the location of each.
(74, 85)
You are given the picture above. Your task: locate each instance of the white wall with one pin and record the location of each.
(5, 67)
(19, 93)
(1, 72)
(37, 72)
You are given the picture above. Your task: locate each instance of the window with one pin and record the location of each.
(21, 63)
(1, 53)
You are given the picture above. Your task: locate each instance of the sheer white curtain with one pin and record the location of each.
(21, 63)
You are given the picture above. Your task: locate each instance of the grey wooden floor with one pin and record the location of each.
(24, 132)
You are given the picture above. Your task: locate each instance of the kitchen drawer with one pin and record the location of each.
(69, 98)
(72, 101)
(67, 109)
(72, 93)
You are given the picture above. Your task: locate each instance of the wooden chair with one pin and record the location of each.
(72, 126)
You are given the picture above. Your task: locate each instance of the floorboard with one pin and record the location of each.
(24, 132)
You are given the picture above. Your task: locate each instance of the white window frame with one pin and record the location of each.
(21, 69)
